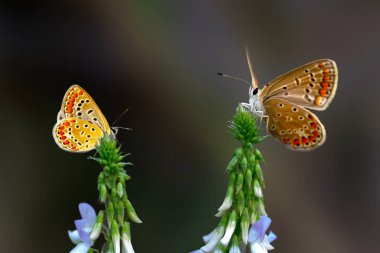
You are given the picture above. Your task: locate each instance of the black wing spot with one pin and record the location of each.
(90, 111)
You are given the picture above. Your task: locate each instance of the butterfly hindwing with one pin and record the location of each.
(293, 125)
(312, 85)
(76, 135)
(77, 103)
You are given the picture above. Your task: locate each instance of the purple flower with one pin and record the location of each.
(259, 241)
(84, 227)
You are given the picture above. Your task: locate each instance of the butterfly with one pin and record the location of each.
(80, 123)
(283, 101)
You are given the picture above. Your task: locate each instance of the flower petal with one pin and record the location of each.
(74, 236)
(84, 236)
(88, 214)
(271, 237)
(258, 229)
(234, 249)
(127, 245)
(80, 248)
(207, 238)
(210, 246)
(267, 244)
(258, 248)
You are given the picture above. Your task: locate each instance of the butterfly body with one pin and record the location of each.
(80, 123)
(283, 102)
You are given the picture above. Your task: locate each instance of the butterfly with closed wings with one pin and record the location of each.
(80, 123)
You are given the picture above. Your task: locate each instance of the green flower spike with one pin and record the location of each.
(119, 211)
(243, 204)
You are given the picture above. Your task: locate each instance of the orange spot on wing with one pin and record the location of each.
(323, 92)
(67, 123)
(325, 84)
(66, 143)
(296, 141)
(318, 101)
(314, 124)
(304, 140)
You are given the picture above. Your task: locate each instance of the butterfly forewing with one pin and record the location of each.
(312, 85)
(293, 125)
(77, 103)
(76, 135)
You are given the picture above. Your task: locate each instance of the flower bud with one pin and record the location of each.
(261, 207)
(257, 189)
(240, 202)
(207, 238)
(219, 248)
(113, 194)
(115, 236)
(258, 155)
(238, 153)
(119, 190)
(248, 180)
(254, 217)
(231, 165)
(97, 227)
(234, 246)
(252, 160)
(126, 239)
(103, 193)
(210, 246)
(239, 182)
(250, 200)
(228, 199)
(110, 213)
(131, 212)
(120, 212)
(244, 225)
(244, 163)
(259, 175)
(229, 229)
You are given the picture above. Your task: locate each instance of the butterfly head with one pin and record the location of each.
(255, 105)
(113, 133)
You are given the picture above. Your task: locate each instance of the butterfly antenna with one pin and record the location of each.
(124, 128)
(255, 81)
(235, 78)
(121, 115)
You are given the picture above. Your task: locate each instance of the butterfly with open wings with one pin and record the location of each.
(283, 102)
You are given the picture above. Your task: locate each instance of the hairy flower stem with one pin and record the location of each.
(244, 201)
(112, 193)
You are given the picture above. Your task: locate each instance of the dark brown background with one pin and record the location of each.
(160, 59)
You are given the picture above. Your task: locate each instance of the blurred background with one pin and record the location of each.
(160, 59)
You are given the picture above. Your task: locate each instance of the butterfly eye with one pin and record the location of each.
(255, 91)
